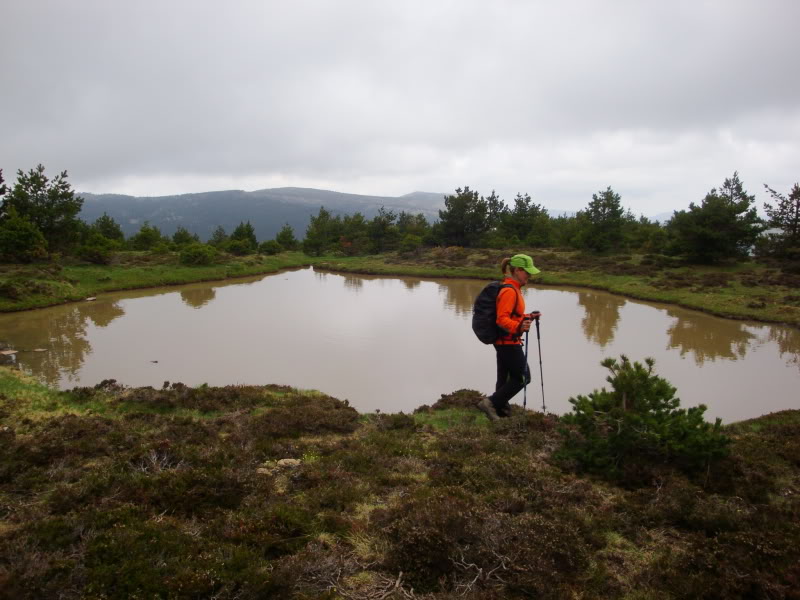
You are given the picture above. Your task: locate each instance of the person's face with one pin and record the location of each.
(521, 275)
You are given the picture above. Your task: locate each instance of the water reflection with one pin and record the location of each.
(54, 342)
(788, 342)
(198, 297)
(602, 315)
(353, 282)
(459, 294)
(707, 337)
(424, 349)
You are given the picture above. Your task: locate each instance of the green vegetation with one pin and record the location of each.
(699, 259)
(761, 290)
(34, 286)
(253, 492)
(621, 432)
(784, 216)
(725, 225)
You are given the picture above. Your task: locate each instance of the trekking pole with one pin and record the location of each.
(525, 376)
(541, 372)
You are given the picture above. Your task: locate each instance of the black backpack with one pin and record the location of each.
(484, 313)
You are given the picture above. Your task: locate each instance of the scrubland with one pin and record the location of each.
(255, 492)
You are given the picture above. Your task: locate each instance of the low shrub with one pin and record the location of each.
(638, 424)
(270, 248)
(198, 254)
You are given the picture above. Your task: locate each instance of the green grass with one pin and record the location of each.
(750, 290)
(47, 285)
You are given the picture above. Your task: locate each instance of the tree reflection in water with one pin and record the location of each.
(61, 333)
(459, 294)
(602, 316)
(198, 297)
(707, 337)
(353, 282)
(788, 341)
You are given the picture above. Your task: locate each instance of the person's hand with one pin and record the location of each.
(525, 326)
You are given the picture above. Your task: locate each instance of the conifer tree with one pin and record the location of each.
(786, 217)
(245, 233)
(108, 228)
(218, 237)
(286, 239)
(49, 204)
(182, 237)
(464, 219)
(638, 422)
(724, 226)
(603, 220)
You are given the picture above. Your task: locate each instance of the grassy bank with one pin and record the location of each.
(751, 290)
(253, 492)
(34, 286)
(768, 292)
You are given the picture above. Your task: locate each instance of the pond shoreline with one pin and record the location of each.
(748, 303)
(553, 281)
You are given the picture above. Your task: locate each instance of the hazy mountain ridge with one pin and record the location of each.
(267, 210)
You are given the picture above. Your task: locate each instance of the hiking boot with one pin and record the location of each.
(504, 412)
(487, 408)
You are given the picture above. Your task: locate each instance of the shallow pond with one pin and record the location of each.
(393, 344)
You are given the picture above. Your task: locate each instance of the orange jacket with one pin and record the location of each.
(510, 311)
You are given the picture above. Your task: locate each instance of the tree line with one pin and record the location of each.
(39, 221)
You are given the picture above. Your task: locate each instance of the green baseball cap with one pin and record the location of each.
(524, 261)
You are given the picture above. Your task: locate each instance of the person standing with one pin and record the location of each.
(513, 372)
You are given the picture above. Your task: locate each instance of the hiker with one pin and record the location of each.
(513, 372)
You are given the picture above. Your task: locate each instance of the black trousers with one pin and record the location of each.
(513, 374)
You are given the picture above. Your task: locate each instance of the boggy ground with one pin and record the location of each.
(255, 492)
(766, 291)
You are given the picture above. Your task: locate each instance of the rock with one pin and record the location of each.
(92, 298)
(7, 352)
(289, 463)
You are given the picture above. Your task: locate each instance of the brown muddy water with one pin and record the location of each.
(395, 343)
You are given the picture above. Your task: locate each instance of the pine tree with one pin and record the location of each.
(286, 238)
(246, 234)
(786, 217)
(218, 238)
(604, 222)
(182, 237)
(147, 237)
(108, 228)
(725, 226)
(638, 422)
(50, 205)
(464, 219)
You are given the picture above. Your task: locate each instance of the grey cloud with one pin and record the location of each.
(406, 95)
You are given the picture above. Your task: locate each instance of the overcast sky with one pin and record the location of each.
(659, 100)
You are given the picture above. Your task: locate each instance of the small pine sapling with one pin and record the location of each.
(636, 423)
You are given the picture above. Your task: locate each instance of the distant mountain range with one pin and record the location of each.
(267, 210)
